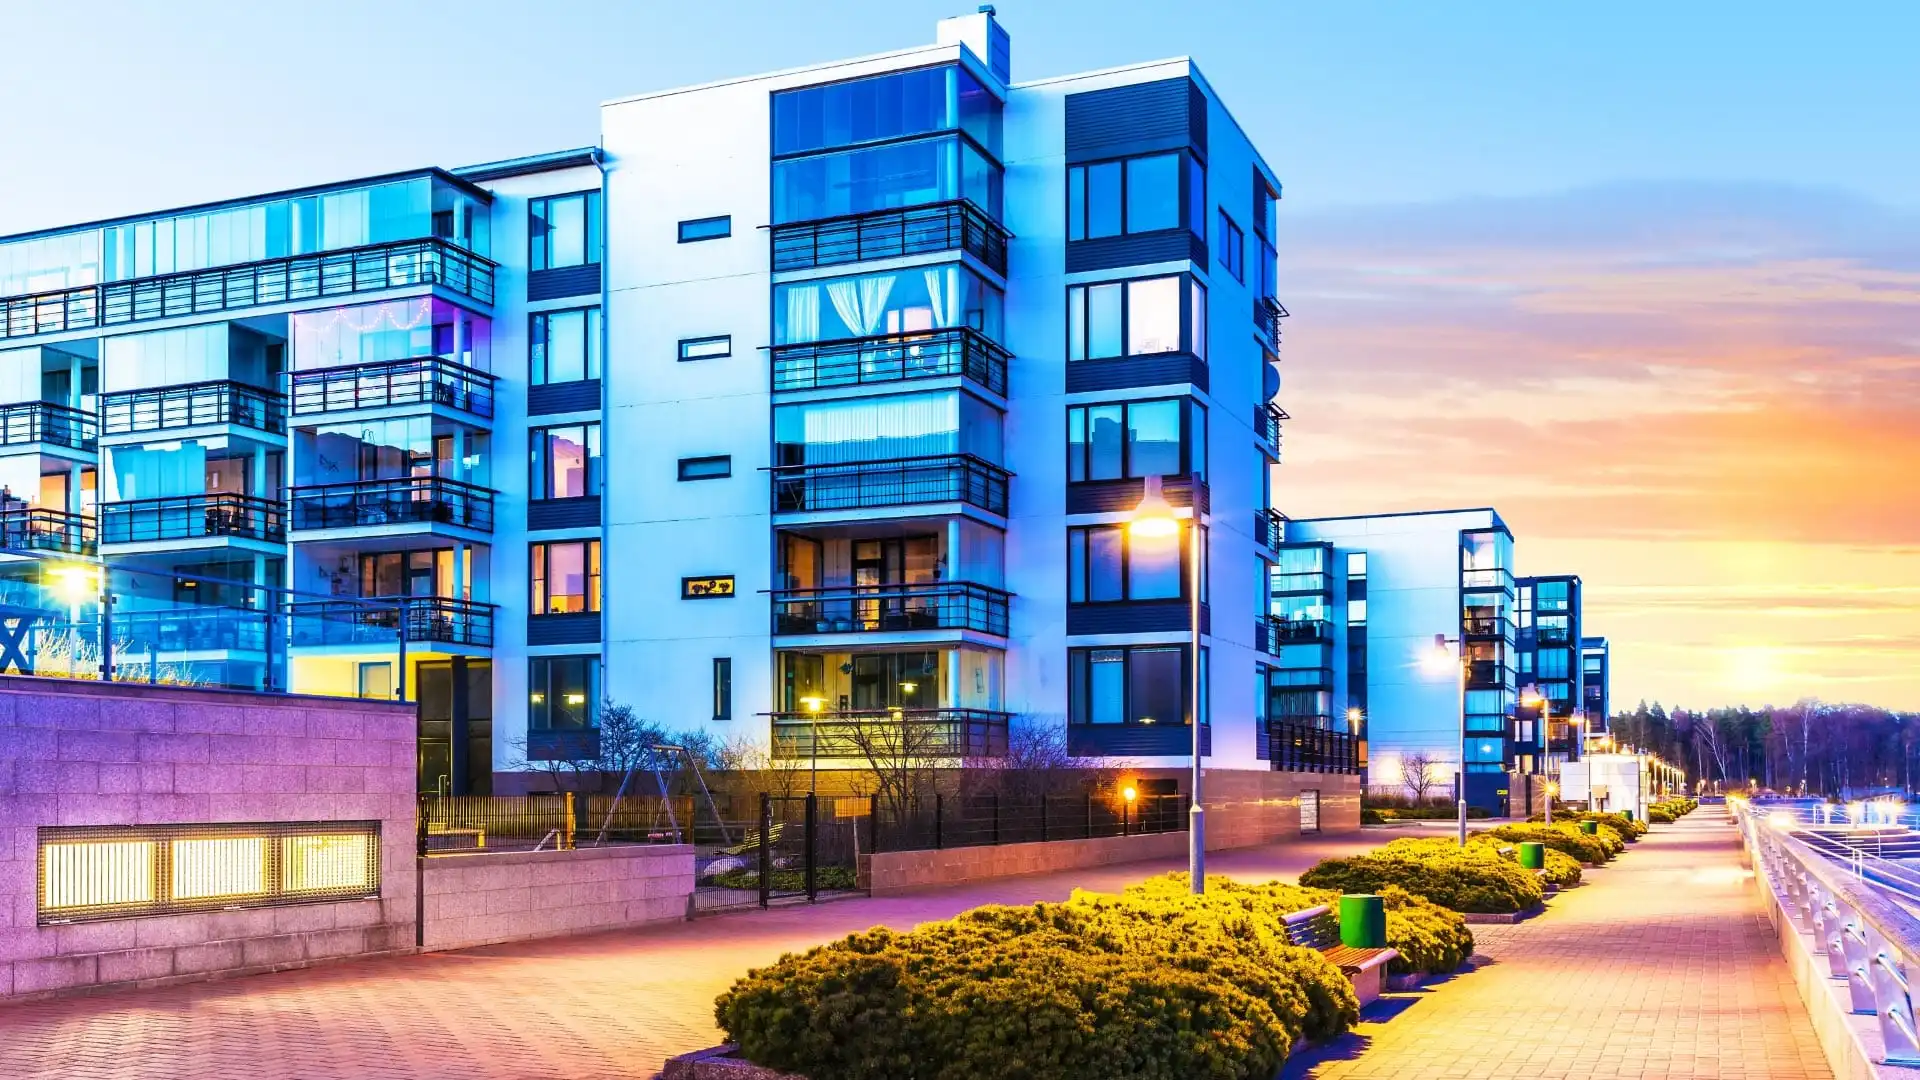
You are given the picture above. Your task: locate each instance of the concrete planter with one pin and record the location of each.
(1489, 919)
(718, 1063)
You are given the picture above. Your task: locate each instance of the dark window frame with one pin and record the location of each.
(539, 334)
(686, 461)
(1193, 421)
(1233, 247)
(593, 244)
(539, 462)
(723, 688)
(1189, 318)
(540, 576)
(1081, 584)
(692, 342)
(1190, 195)
(1080, 684)
(690, 230)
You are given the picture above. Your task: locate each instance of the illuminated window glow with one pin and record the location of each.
(308, 863)
(229, 866)
(97, 872)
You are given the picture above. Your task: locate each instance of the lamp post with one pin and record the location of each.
(1540, 701)
(1154, 517)
(813, 705)
(1457, 656)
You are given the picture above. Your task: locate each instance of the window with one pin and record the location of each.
(376, 680)
(889, 304)
(718, 467)
(565, 346)
(711, 228)
(1141, 317)
(566, 462)
(563, 693)
(566, 577)
(1164, 437)
(1356, 564)
(723, 688)
(1151, 193)
(1140, 684)
(885, 107)
(706, 348)
(1109, 563)
(1233, 248)
(564, 230)
(1551, 663)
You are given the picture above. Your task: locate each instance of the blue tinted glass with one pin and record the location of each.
(980, 180)
(858, 181)
(1103, 200)
(1153, 193)
(713, 228)
(980, 112)
(863, 110)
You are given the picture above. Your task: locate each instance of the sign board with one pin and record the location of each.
(706, 588)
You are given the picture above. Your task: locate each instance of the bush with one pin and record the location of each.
(1565, 838)
(1472, 879)
(1428, 813)
(1370, 816)
(825, 877)
(1562, 869)
(1659, 815)
(1629, 831)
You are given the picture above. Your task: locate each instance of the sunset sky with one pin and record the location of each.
(1643, 276)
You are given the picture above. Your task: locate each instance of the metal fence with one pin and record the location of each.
(943, 821)
(457, 824)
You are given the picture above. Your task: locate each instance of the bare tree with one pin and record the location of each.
(903, 755)
(1416, 772)
(1037, 764)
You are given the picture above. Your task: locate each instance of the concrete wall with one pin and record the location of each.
(82, 753)
(1246, 807)
(891, 871)
(483, 899)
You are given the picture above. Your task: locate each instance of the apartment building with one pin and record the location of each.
(1549, 718)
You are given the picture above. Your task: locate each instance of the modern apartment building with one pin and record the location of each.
(889, 352)
(1596, 685)
(1550, 715)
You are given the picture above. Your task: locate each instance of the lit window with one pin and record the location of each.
(326, 863)
(204, 869)
(97, 873)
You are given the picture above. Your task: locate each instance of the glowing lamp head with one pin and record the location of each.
(75, 582)
(1552, 788)
(813, 704)
(1154, 515)
(1440, 659)
(1128, 793)
(909, 687)
(1354, 716)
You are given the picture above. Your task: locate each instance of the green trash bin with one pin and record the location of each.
(1533, 855)
(1363, 921)
(1591, 828)
(1628, 812)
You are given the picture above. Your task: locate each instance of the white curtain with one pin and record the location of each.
(861, 302)
(938, 296)
(803, 313)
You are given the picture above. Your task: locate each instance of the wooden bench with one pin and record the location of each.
(1366, 969)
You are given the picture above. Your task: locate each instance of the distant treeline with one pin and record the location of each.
(1811, 745)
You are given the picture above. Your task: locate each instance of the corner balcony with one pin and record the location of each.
(35, 528)
(43, 423)
(1266, 428)
(890, 234)
(192, 405)
(403, 501)
(890, 734)
(374, 268)
(823, 365)
(376, 622)
(1295, 746)
(1267, 313)
(1269, 529)
(891, 609)
(385, 384)
(863, 485)
(1491, 627)
(1270, 633)
(214, 516)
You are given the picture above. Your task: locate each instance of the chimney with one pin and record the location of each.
(983, 36)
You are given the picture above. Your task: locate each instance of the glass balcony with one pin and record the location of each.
(1266, 428)
(1294, 746)
(420, 380)
(28, 422)
(1294, 631)
(897, 482)
(373, 268)
(1480, 624)
(376, 621)
(887, 234)
(860, 361)
(192, 517)
(403, 500)
(890, 734)
(1269, 528)
(33, 528)
(938, 605)
(193, 405)
(169, 631)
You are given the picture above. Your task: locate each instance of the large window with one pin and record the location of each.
(885, 304)
(391, 330)
(407, 573)
(564, 230)
(1163, 437)
(886, 428)
(566, 462)
(565, 346)
(1109, 563)
(563, 693)
(1141, 317)
(1150, 193)
(1139, 684)
(566, 577)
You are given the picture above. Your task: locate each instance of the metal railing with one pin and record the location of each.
(35, 528)
(1298, 747)
(462, 824)
(961, 351)
(420, 380)
(1488, 626)
(401, 500)
(890, 733)
(1282, 631)
(884, 234)
(192, 405)
(1267, 313)
(951, 821)
(373, 268)
(427, 619)
(857, 485)
(1269, 528)
(1266, 427)
(867, 609)
(190, 517)
(28, 422)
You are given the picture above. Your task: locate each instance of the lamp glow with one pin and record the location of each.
(76, 582)
(1154, 515)
(1354, 716)
(813, 704)
(1129, 793)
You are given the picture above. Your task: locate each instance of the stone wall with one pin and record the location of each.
(890, 871)
(1248, 807)
(88, 753)
(486, 898)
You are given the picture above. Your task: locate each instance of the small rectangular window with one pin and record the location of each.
(706, 348)
(718, 467)
(714, 587)
(723, 688)
(1233, 248)
(711, 228)
(563, 230)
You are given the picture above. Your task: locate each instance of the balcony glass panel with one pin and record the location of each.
(950, 605)
(401, 501)
(874, 429)
(396, 448)
(890, 177)
(377, 621)
(932, 733)
(35, 528)
(393, 330)
(882, 107)
(190, 517)
(934, 354)
(886, 304)
(193, 405)
(50, 263)
(43, 421)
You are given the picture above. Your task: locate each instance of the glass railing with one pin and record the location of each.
(888, 234)
(193, 405)
(1294, 746)
(427, 619)
(35, 528)
(1479, 624)
(890, 734)
(895, 482)
(961, 351)
(373, 268)
(27, 422)
(868, 609)
(405, 500)
(421, 380)
(192, 517)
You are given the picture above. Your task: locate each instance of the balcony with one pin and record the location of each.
(192, 517)
(1294, 746)
(1486, 626)
(1267, 314)
(1266, 428)
(890, 734)
(376, 621)
(28, 422)
(863, 485)
(422, 380)
(33, 528)
(1269, 528)
(962, 351)
(406, 500)
(1304, 678)
(1297, 631)
(884, 609)
(1485, 674)
(374, 268)
(152, 634)
(888, 234)
(193, 405)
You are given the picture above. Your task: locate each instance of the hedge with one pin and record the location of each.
(1561, 869)
(1470, 879)
(1562, 837)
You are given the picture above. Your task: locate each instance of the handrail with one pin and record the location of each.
(930, 605)
(444, 619)
(959, 350)
(889, 233)
(435, 380)
(187, 517)
(23, 422)
(928, 733)
(847, 485)
(213, 401)
(395, 500)
(39, 528)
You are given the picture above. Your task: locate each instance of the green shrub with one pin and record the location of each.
(1659, 815)
(825, 877)
(1370, 816)
(1428, 813)
(1562, 869)
(1562, 837)
(1629, 831)
(1474, 879)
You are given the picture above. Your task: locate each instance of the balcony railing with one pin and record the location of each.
(887, 234)
(960, 351)
(1292, 631)
(1266, 427)
(1269, 528)
(376, 621)
(936, 605)
(1486, 626)
(193, 405)
(372, 268)
(420, 380)
(1267, 313)
(1301, 747)
(405, 500)
(890, 734)
(895, 482)
(192, 517)
(29, 422)
(1302, 678)
(34, 528)
(143, 633)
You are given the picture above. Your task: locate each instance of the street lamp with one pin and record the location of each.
(1154, 517)
(1438, 660)
(1536, 699)
(813, 705)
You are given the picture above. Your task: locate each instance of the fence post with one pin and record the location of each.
(939, 806)
(813, 821)
(1043, 819)
(873, 824)
(420, 872)
(996, 820)
(1126, 808)
(1089, 815)
(766, 851)
(566, 836)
